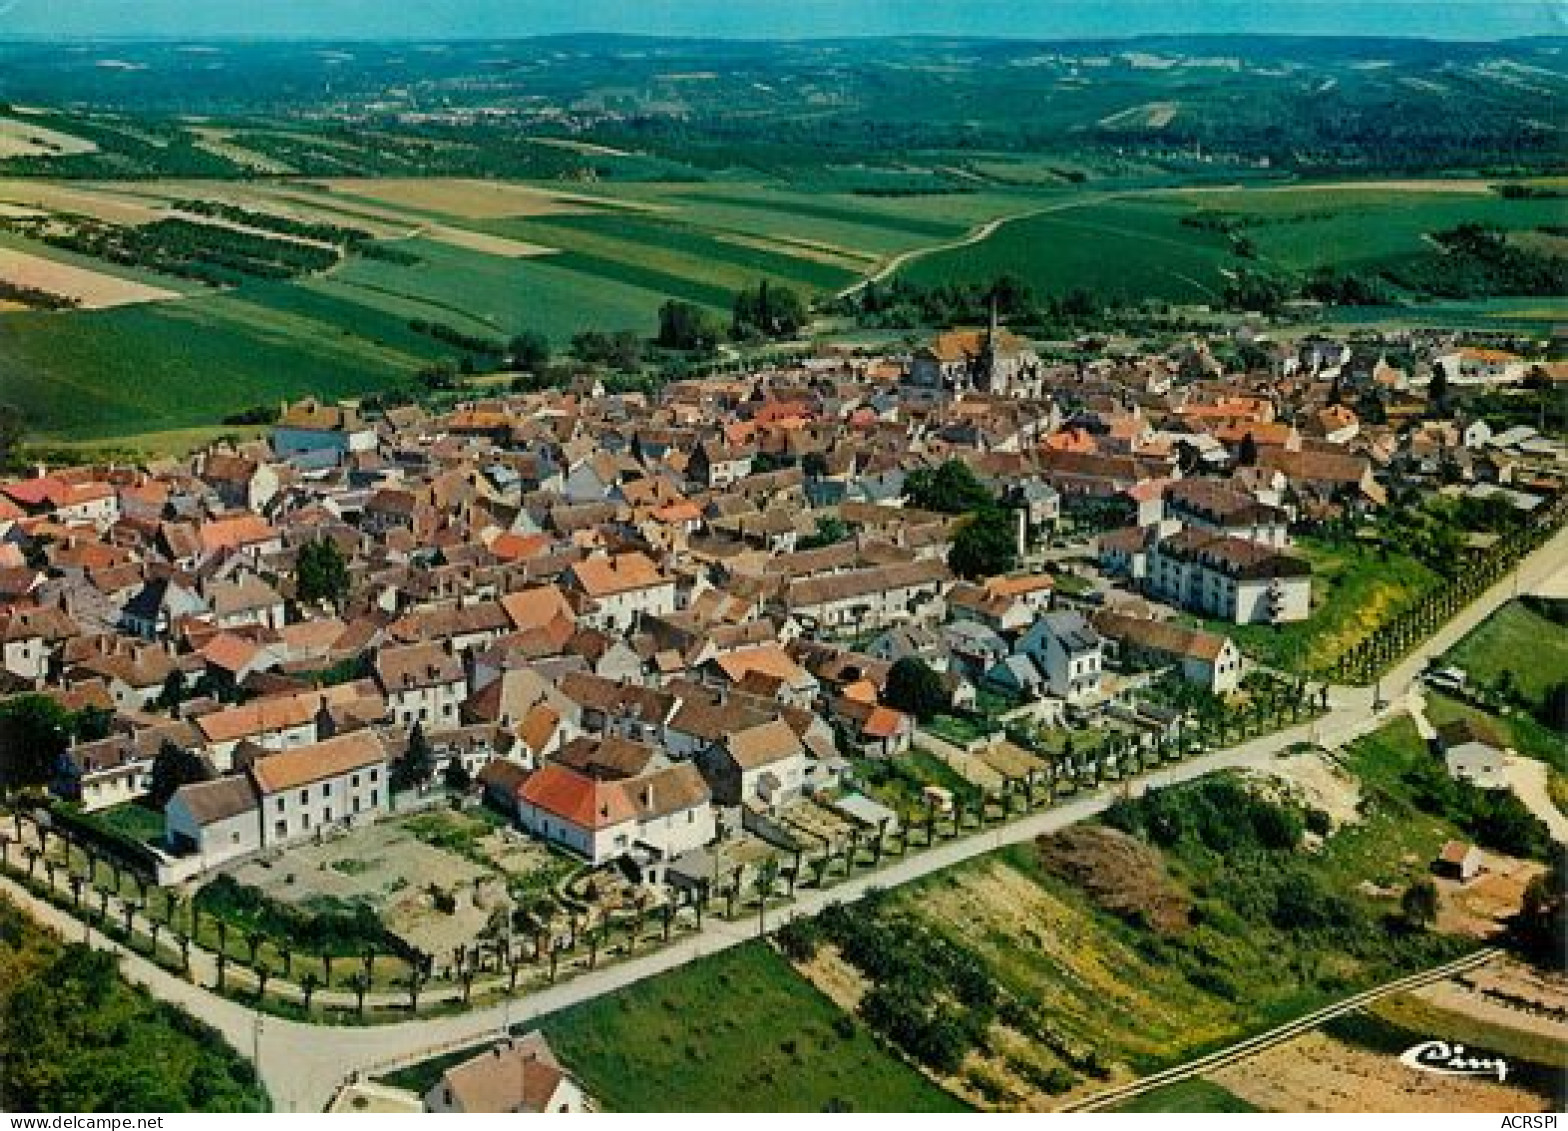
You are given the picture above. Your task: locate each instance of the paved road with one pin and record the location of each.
(303, 1064)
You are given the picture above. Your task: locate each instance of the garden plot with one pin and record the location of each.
(975, 770)
(820, 824)
(1011, 761)
(743, 855)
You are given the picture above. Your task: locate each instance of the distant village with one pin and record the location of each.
(654, 631)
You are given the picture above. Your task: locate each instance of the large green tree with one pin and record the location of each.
(417, 764)
(11, 429)
(529, 350)
(986, 546)
(35, 732)
(321, 573)
(951, 489)
(915, 688)
(687, 326)
(768, 310)
(172, 767)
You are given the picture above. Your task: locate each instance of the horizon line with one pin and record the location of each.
(861, 37)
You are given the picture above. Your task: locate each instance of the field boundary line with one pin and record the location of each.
(1224, 1057)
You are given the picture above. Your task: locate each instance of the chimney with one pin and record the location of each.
(647, 796)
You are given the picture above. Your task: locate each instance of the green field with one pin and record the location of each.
(174, 365)
(1147, 998)
(164, 368)
(740, 1031)
(1136, 246)
(1298, 229)
(1123, 250)
(1519, 640)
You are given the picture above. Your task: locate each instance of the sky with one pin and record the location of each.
(762, 19)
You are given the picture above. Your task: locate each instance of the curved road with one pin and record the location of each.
(979, 232)
(304, 1064)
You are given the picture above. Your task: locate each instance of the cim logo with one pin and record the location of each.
(1444, 1059)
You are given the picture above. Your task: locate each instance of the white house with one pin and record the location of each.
(249, 600)
(216, 820)
(337, 782)
(859, 599)
(624, 588)
(763, 765)
(1205, 658)
(1069, 654)
(423, 684)
(1474, 754)
(1229, 578)
(657, 816)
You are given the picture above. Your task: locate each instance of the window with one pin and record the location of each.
(280, 805)
(281, 828)
(374, 776)
(304, 820)
(353, 780)
(304, 797)
(327, 815)
(326, 791)
(373, 797)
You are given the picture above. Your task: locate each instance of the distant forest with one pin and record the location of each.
(931, 111)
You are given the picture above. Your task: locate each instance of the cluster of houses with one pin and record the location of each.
(620, 615)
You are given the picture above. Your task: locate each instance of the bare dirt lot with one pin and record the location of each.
(397, 874)
(1313, 780)
(1316, 1073)
(94, 290)
(1480, 907)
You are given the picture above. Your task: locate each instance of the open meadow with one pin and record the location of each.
(1183, 245)
(740, 1031)
(494, 258)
